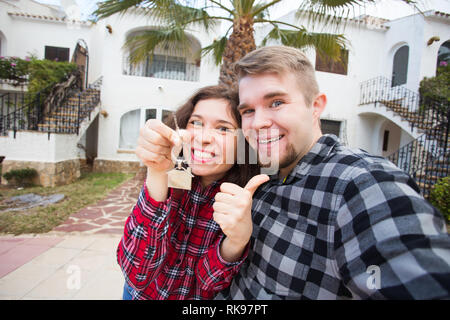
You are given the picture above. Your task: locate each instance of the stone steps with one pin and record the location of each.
(65, 119)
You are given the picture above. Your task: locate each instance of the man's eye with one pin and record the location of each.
(276, 103)
(246, 112)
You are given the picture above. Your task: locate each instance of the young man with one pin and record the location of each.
(334, 223)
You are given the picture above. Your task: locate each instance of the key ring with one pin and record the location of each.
(180, 177)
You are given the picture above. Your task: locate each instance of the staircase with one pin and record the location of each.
(65, 118)
(427, 158)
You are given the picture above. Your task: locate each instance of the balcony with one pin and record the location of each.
(164, 67)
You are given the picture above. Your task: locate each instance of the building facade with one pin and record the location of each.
(383, 66)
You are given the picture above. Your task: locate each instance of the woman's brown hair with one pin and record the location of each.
(240, 173)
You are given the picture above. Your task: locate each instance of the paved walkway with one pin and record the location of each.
(106, 216)
(76, 260)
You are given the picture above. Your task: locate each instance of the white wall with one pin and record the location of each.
(433, 27)
(35, 146)
(122, 93)
(26, 36)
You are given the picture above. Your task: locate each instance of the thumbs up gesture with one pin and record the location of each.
(232, 212)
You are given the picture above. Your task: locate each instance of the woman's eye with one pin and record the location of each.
(276, 103)
(224, 129)
(196, 123)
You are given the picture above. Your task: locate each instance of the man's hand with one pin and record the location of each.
(232, 211)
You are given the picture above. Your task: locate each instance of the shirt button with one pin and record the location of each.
(186, 231)
(178, 261)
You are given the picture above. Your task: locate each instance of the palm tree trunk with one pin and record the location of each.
(239, 44)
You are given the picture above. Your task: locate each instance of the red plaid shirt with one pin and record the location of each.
(170, 249)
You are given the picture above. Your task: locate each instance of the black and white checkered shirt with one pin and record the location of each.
(344, 224)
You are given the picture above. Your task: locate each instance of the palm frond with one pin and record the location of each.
(329, 45)
(243, 7)
(217, 48)
(184, 15)
(142, 45)
(329, 12)
(110, 7)
(261, 10)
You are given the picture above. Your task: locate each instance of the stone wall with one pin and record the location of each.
(50, 174)
(101, 165)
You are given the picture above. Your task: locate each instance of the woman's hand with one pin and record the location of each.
(232, 211)
(154, 146)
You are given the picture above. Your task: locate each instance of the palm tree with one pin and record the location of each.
(177, 15)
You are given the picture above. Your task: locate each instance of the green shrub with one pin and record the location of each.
(436, 88)
(22, 176)
(15, 69)
(45, 73)
(40, 74)
(440, 197)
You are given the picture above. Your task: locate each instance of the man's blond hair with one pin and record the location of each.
(279, 59)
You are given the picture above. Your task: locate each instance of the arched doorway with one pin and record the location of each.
(400, 66)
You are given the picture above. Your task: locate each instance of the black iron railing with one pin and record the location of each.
(426, 158)
(404, 102)
(16, 114)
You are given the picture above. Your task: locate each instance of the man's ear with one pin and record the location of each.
(319, 104)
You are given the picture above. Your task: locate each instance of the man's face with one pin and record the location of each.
(276, 120)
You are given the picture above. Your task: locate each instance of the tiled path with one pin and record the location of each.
(77, 259)
(107, 216)
(68, 267)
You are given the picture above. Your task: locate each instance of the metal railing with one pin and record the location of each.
(404, 102)
(17, 115)
(188, 72)
(426, 158)
(419, 153)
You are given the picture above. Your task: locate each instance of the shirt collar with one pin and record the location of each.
(204, 194)
(318, 152)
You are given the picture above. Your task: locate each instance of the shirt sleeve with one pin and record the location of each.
(213, 272)
(143, 248)
(389, 242)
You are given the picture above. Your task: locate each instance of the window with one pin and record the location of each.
(326, 64)
(331, 127)
(444, 54)
(400, 68)
(166, 67)
(165, 115)
(150, 114)
(129, 129)
(132, 121)
(56, 53)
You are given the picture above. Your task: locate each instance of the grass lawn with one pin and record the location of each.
(87, 190)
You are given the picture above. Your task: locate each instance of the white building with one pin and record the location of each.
(408, 46)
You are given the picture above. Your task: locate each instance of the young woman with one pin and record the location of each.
(181, 244)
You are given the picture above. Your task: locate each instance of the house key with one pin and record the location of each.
(180, 177)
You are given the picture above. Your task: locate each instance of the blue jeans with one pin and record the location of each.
(127, 292)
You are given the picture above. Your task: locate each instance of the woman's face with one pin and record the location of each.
(213, 139)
